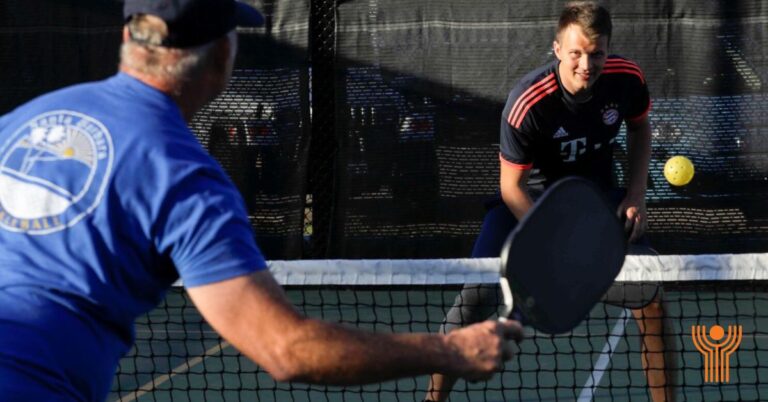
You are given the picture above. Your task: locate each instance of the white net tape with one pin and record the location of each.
(486, 270)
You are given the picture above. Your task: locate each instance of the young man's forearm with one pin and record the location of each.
(639, 153)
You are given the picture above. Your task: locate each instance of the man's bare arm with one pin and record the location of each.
(253, 314)
(633, 208)
(513, 183)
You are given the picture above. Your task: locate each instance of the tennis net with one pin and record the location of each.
(179, 357)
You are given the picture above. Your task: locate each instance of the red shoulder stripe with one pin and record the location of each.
(622, 62)
(617, 64)
(534, 88)
(541, 94)
(530, 97)
(616, 70)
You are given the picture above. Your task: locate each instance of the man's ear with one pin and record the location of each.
(556, 49)
(126, 34)
(220, 52)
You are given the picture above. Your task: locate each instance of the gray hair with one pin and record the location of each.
(144, 52)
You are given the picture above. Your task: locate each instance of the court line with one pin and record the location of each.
(588, 391)
(180, 369)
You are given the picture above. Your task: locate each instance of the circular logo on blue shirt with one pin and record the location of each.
(53, 172)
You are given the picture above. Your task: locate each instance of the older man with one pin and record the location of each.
(107, 198)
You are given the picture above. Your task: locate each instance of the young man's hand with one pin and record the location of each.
(633, 213)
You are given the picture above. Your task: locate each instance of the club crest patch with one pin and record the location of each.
(610, 115)
(53, 172)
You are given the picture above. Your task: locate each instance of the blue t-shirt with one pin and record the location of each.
(106, 199)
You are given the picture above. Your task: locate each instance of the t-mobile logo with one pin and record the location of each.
(571, 149)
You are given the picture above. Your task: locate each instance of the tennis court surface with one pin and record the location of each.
(178, 357)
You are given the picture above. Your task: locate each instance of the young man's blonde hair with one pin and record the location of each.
(594, 19)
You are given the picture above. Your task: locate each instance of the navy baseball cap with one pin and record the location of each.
(195, 22)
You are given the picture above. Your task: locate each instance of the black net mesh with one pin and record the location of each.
(51, 44)
(179, 357)
(378, 121)
(260, 130)
(434, 80)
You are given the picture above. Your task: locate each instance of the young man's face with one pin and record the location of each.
(581, 60)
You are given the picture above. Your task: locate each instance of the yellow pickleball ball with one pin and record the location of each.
(678, 170)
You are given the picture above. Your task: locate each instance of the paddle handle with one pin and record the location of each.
(506, 293)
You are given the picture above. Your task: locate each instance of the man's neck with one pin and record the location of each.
(182, 94)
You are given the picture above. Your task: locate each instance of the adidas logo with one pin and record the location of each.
(560, 133)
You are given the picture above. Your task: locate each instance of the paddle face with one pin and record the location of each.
(564, 255)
